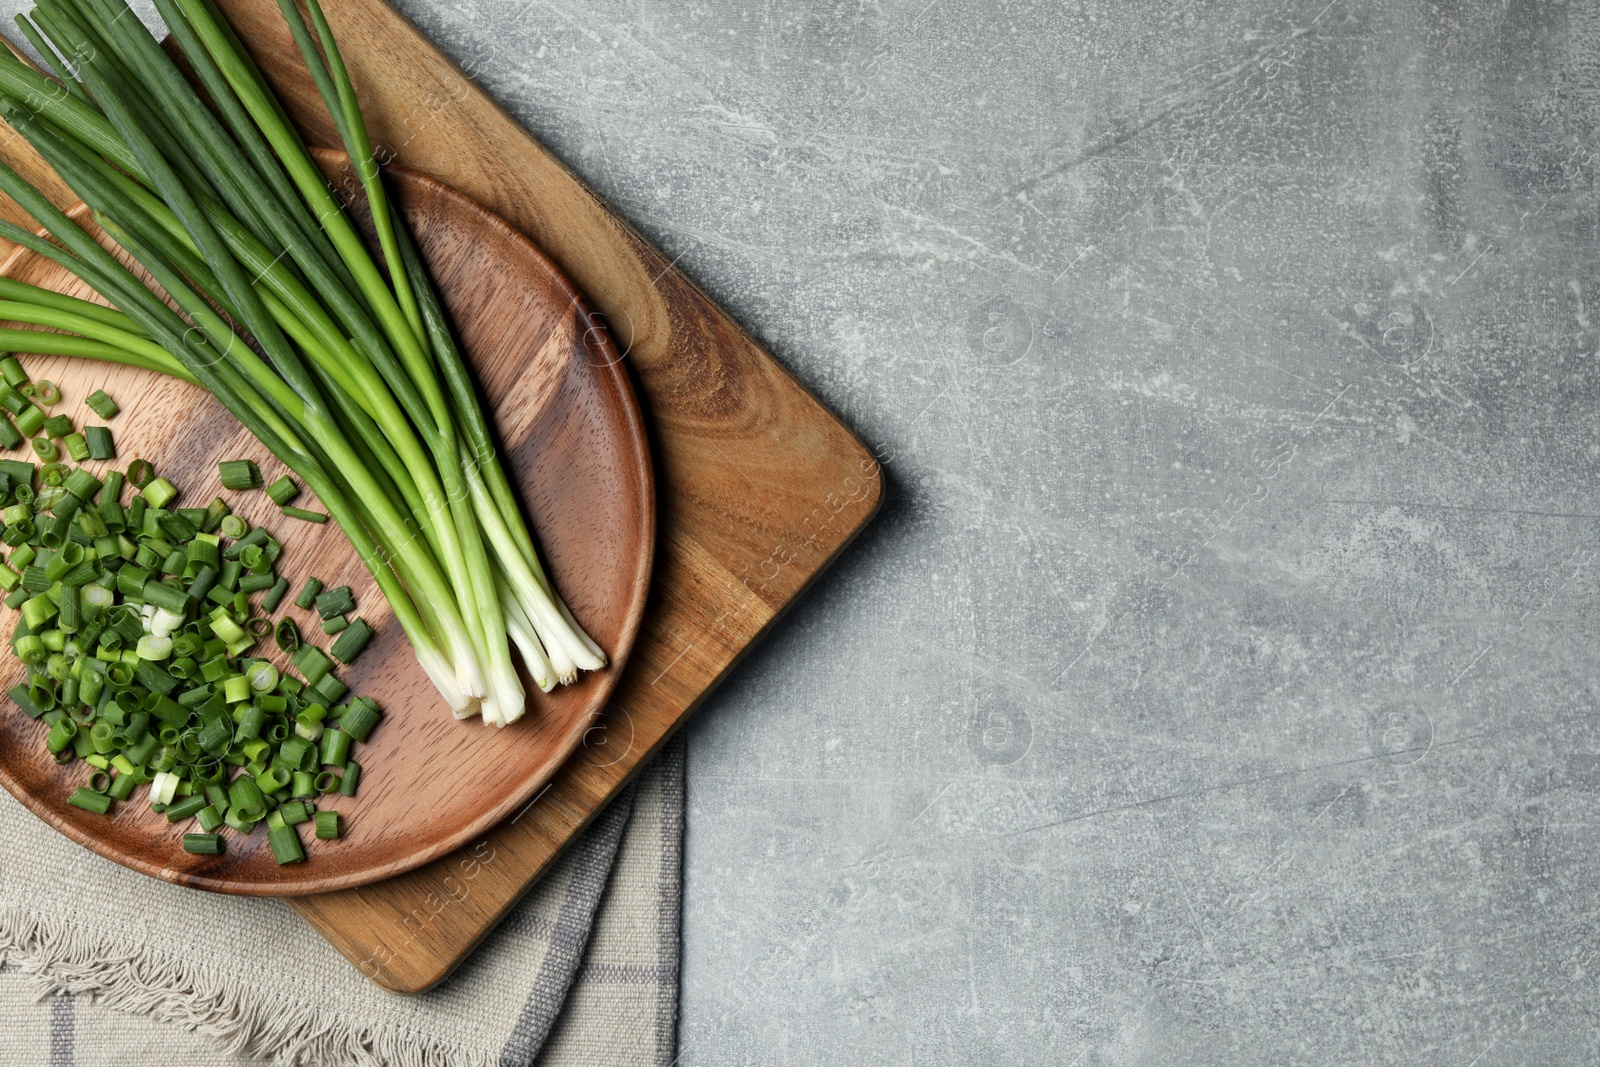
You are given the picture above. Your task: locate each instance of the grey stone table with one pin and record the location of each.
(1218, 685)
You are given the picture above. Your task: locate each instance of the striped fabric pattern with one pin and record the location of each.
(100, 968)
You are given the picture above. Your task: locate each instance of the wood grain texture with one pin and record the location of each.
(575, 445)
(758, 486)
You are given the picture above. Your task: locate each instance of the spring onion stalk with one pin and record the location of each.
(352, 377)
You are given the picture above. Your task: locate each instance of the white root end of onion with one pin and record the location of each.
(468, 671)
(581, 634)
(568, 654)
(510, 699)
(443, 678)
(526, 641)
(567, 647)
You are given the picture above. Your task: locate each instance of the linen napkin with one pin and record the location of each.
(103, 967)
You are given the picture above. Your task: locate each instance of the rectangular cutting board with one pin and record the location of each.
(759, 486)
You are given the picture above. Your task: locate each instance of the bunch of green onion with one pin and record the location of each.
(343, 367)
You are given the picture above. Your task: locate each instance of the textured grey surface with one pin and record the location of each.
(1218, 684)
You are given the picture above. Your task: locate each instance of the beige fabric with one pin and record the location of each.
(246, 981)
(622, 1007)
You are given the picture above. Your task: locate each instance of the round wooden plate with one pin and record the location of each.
(572, 432)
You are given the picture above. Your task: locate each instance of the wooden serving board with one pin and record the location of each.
(759, 487)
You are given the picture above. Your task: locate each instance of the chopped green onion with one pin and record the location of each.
(335, 747)
(254, 583)
(310, 661)
(287, 636)
(275, 595)
(46, 392)
(352, 641)
(30, 420)
(45, 448)
(102, 404)
(203, 844)
(308, 592)
(159, 492)
(216, 511)
(304, 515)
(57, 426)
(262, 676)
(283, 491)
(90, 800)
(330, 688)
(338, 601)
(284, 842)
(351, 779)
(296, 812)
(83, 485)
(239, 474)
(273, 779)
(99, 443)
(187, 807)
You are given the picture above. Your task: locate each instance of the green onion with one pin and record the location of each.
(287, 636)
(101, 404)
(304, 515)
(338, 601)
(285, 844)
(159, 492)
(262, 676)
(57, 426)
(239, 474)
(166, 697)
(283, 491)
(351, 779)
(358, 387)
(186, 808)
(46, 392)
(216, 512)
(45, 448)
(310, 660)
(275, 595)
(327, 825)
(308, 593)
(297, 811)
(203, 844)
(335, 747)
(90, 800)
(99, 443)
(350, 643)
(30, 420)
